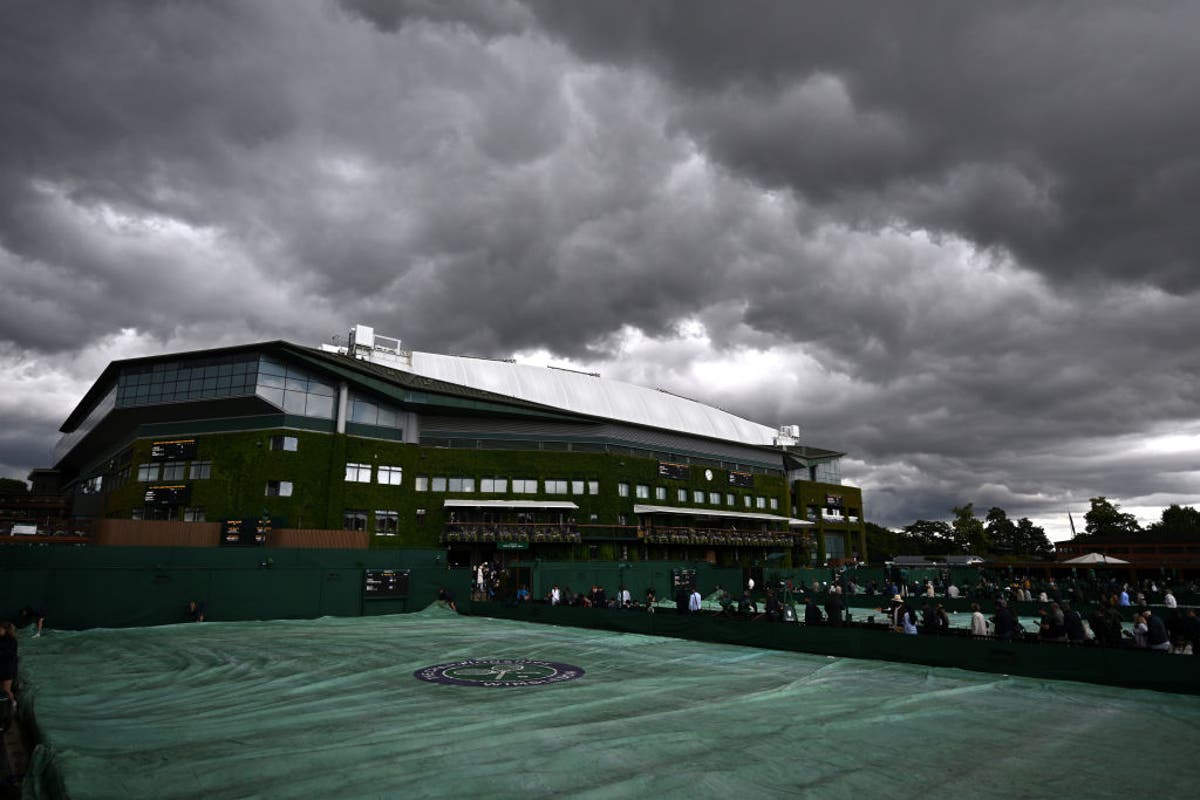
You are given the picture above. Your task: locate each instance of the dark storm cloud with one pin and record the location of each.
(956, 238)
(1063, 132)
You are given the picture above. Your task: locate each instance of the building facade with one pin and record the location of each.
(485, 458)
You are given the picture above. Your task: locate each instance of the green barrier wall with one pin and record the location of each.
(637, 576)
(87, 587)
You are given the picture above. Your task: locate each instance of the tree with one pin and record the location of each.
(1106, 519)
(929, 537)
(1032, 540)
(13, 486)
(1001, 530)
(882, 542)
(969, 534)
(1176, 523)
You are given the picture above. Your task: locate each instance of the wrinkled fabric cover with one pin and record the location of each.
(330, 708)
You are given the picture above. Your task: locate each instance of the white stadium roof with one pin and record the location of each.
(587, 394)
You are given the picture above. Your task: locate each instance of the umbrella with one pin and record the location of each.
(1095, 558)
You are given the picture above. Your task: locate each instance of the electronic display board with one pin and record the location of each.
(683, 578)
(678, 472)
(241, 533)
(172, 495)
(385, 584)
(742, 479)
(173, 450)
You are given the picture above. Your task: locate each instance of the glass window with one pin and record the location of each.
(358, 473)
(147, 472)
(462, 484)
(138, 513)
(200, 470)
(279, 489)
(389, 475)
(749, 501)
(623, 490)
(289, 443)
(576, 487)
(714, 498)
(421, 483)
(642, 491)
(555, 486)
(524, 486)
(493, 485)
(730, 500)
(354, 519)
(439, 484)
(172, 471)
(660, 493)
(697, 496)
(593, 487)
(760, 502)
(774, 503)
(387, 523)
(193, 514)
(681, 496)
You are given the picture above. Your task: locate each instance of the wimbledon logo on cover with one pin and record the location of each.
(494, 672)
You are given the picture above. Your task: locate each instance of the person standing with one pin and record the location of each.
(8, 661)
(978, 623)
(834, 607)
(694, 602)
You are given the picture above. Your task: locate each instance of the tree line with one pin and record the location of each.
(1105, 520)
(995, 535)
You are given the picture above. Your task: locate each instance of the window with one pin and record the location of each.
(681, 495)
(420, 516)
(524, 486)
(730, 500)
(279, 489)
(462, 484)
(760, 502)
(421, 483)
(593, 517)
(358, 473)
(623, 490)
(577, 487)
(593, 487)
(354, 520)
(387, 523)
(138, 513)
(697, 496)
(774, 503)
(714, 498)
(493, 485)
(749, 501)
(390, 476)
(642, 491)
(193, 514)
(288, 443)
(660, 493)
(621, 519)
(147, 472)
(438, 484)
(555, 486)
(200, 470)
(172, 471)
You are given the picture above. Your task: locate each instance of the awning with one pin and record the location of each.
(563, 505)
(713, 512)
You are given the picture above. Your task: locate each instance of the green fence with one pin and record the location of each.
(88, 587)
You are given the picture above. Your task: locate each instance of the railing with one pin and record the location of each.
(503, 532)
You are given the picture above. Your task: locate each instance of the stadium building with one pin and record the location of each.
(376, 446)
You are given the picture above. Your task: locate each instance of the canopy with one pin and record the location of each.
(1094, 558)
(638, 508)
(565, 505)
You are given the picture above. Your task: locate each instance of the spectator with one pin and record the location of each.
(747, 605)
(694, 602)
(1073, 624)
(1140, 631)
(32, 614)
(650, 599)
(812, 614)
(555, 595)
(978, 623)
(1156, 632)
(1169, 600)
(8, 661)
(835, 607)
(952, 592)
(196, 610)
(1006, 624)
(774, 607)
(943, 619)
(908, 619)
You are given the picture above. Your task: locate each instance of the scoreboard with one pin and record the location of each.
(742, 479)
(676, 472)
(385, 584)
(173, 450)
(243, 533)
(168, 495)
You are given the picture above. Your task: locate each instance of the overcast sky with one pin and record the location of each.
(957, 241)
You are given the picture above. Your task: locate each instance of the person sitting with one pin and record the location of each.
(1157, 637)
(1140, 631)
(1073, 624)
(943, 620)
(747, 605)
(726, 602)
(908, 620)
(1006, 624)
(774, 607)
